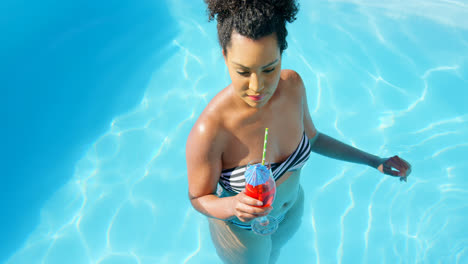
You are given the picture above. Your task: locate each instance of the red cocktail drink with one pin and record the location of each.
(264, 192)
(260, 185)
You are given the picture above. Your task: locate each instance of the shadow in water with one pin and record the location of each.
(73, 67)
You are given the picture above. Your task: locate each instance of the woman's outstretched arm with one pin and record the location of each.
(330, 147)
(325, 145)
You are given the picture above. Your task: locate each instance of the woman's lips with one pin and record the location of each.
(256, 98)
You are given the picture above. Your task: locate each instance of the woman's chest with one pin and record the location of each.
(245, 138)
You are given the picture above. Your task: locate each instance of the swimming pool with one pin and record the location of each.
(390, 78)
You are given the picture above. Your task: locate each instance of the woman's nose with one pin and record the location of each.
(255, 83)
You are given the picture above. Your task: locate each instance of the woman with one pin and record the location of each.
(229, 133)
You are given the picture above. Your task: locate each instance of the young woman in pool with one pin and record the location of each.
(229, 133)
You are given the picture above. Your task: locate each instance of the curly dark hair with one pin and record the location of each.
(252, 18)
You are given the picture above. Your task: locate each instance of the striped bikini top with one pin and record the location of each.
(233, 179)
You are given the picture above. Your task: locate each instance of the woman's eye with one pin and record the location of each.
(243, 73)
(269, 70)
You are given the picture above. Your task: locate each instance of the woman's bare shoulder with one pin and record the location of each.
(209, 127)
(292, 81)
(291, 77)
(204, 150)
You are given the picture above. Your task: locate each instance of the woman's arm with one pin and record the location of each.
(204, 164)
(330, 147)
(203, 156)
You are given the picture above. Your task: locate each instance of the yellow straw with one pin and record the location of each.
(264, 146)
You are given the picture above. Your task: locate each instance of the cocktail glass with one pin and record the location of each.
(260, 184)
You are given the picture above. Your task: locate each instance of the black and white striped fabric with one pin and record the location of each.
(233, 180)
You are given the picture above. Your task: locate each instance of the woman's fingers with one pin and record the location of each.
(394, 162)
(252, 210)
(244, 198)
(246, 217)
(401, 165)
(388, 170)
(247, 208)
(408, 167)
(395, 166)
(247, 213)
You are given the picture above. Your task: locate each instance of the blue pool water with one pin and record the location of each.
(100, 100)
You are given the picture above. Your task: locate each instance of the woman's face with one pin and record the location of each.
(254, 67)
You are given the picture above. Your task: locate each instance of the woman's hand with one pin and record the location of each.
(395, 166)
(247, 208)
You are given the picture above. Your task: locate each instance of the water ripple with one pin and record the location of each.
(369, 81)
